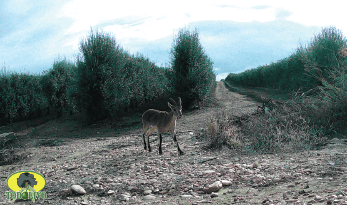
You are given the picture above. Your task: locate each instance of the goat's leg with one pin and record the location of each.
(149, 146)
(160, 141)
(174, 136)
(178, 147)
(144, 140)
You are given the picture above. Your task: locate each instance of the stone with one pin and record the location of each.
(147, 192)
(335, 141)
(132, 189)
(213, 187)
(186, 196)
(84, 202)
(3, 135)
(77, 189)
(109, 180)
(226, 182)
(214, 194)
(319, 198)
(124, 197)
(208, 172)
(110, 192)
(149, 197)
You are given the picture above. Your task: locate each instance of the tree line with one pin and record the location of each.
(106, 81)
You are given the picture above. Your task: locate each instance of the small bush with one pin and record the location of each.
(219, 132)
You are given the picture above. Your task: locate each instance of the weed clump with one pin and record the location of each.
(219, 132)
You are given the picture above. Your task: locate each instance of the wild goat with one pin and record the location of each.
(163, 121)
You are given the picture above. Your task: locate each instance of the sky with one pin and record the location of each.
(236, 35)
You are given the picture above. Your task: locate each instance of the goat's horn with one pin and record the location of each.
(173, 101)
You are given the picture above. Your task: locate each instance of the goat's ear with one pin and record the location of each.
(170, 106)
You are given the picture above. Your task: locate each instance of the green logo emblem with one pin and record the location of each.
(26, 185)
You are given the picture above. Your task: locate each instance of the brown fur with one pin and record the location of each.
(163, 121)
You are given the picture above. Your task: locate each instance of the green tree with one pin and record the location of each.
(56, 82)
(193, 76)
(99, 56)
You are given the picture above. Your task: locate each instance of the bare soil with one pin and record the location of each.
(108, 161)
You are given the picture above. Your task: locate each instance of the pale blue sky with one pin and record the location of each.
(237, 36)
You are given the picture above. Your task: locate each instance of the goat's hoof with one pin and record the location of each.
(181, 153)
(160, 153)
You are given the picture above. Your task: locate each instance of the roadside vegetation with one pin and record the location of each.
(315, 79)
(107, 82)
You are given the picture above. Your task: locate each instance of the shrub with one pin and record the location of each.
(219, 132)
(323, 53)
(327, 64)
(55, 84)
(21, 95)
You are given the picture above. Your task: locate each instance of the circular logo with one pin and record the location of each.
(23, 179)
